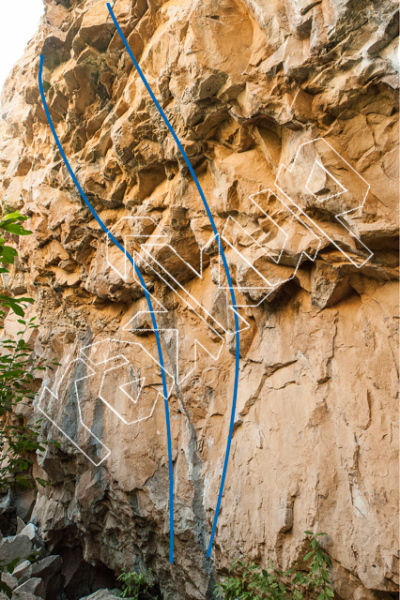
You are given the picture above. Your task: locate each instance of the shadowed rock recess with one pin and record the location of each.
(288, 111)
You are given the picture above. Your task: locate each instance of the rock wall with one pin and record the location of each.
(288, 112)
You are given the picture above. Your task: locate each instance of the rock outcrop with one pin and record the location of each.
(38, 574)
(288, 111)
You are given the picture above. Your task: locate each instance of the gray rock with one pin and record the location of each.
(101, 595)
(5, 503)
(31, 532)
(20, 525)
(16, 546)
(22, 569)
(33, 586)
(45, 569)
(22, 596)
(10, 580)
(24, 503)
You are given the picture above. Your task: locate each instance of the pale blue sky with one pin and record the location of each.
(19, 19)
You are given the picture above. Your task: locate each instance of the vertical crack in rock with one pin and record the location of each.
(195, 473)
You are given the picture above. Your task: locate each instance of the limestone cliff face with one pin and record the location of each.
(288, 111)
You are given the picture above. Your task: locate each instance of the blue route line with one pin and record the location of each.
(149, 303)
(222, 253)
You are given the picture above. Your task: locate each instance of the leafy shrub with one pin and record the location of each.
(11, 224)
(18, 441)
(311, 580)
(136, 586)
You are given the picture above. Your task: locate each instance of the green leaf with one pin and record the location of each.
(329, 591)
(5, 588)
(42, 482)
(8, 254)
(325, 576)
(16, 216)
(15, 228)
(11, 566)
(16, 308)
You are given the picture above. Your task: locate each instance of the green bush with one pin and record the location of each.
(18, 441)
(136, 586)
(310, 580)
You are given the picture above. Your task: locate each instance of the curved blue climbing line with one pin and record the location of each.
(148, 299)
(226, 268)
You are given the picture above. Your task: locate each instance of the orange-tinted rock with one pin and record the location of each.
(289, 114)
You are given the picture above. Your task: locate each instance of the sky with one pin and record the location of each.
(19, 19)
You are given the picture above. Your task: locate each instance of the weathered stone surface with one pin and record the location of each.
(20, 525)
(22, 596)
(47, 567)
(21, 569)
(289, 114)
(33, 587)
(44, 568)
(9, 580)
(17, 546)
(31, 532)
(101, 595)
(24, 500)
